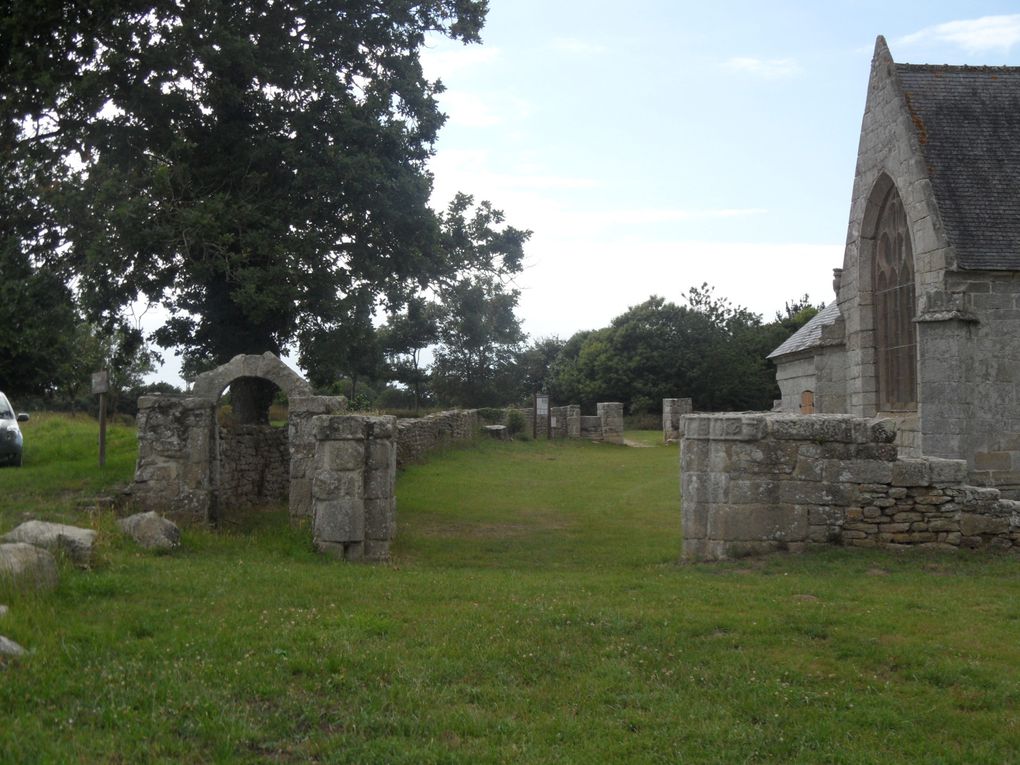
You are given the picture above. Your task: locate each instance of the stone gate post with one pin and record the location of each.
(353, 489)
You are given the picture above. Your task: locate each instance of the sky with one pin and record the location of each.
(657, 145)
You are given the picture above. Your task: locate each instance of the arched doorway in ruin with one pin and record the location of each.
(186, 466)
(250, 451)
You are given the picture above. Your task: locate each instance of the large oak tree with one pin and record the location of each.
(259, 167)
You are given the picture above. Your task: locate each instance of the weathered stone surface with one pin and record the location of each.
(972, 524)
(25, 566)
(76, 542)
(339, 520)
(4, 610)
(151, 530)
(417, 437)
(9, 648)
(741, 496)
(911, 472)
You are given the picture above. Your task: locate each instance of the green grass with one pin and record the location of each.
(533, 613)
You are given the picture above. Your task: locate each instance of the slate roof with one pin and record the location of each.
(810, 335)
(968, 124)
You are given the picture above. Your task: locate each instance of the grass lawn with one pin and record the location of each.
(534, 612)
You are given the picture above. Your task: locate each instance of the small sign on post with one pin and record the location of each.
(101, 386)
(541, 416)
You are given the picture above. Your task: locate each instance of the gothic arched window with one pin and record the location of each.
(895, 332)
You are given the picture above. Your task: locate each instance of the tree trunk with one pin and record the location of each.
(251, 398)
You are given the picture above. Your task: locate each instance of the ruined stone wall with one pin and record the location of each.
(558, 421)
(254, 465)
(672, 410)
(755, 482)
(174, 471)
(354, 506)
(611, 416)
(301, 438)
(416, 437)
(591, 427)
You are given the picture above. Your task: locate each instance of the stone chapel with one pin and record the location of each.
(926, 325)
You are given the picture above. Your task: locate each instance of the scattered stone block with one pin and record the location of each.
(9, 648)
(76, 542)
(26, 566)
(151, 530)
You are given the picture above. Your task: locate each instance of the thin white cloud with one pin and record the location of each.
(988, 33)
(444, 61)
(642, 217)
(576, 47)
(473, 109)
(766, 69)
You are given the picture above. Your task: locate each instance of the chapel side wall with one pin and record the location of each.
(795, 374)
(758, 483)
(971, 368)
(888, 146)
(830, 380)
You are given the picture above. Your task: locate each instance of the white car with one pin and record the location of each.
(10, 434)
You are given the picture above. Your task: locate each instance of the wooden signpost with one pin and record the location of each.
(101, 385)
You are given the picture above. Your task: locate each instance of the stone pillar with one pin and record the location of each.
(573, 417)
(611, 416)
(174, 471)
(301, 441)
(353, 488)
(672, 409)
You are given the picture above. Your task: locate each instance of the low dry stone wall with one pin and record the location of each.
(754, 483)
(416, 437)
(254, 464)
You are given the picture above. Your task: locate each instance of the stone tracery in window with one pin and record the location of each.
(895, 332)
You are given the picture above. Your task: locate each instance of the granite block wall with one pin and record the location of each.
(755, 483)
(254, 465)
(672, 410)
(354, 486)
(176, 455)
(416, 437)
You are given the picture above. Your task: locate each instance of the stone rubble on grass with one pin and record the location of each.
(75, 541)
(3, 611)
(27, 566)
(151, 530)
(9, 648)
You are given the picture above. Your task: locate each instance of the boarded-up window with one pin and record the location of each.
(807, 402)
(895, 332)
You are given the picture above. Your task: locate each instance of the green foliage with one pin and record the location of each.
(406, 334)
(535, 365)
(256, 167)
(479, 340)
(492, 415)
(37, 322)
(515, 423)
(707, 350)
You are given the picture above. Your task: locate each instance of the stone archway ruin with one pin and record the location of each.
(341, 469)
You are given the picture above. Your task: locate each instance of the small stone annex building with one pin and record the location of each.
(925, 329)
